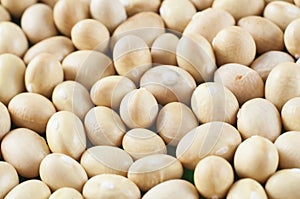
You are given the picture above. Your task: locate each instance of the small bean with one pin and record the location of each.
(290, 113)
(5, 121)
(8, 178)
(15, 7)
(66, 192)
(136, 6)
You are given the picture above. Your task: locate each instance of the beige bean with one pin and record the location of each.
(12, 39)
(259, 116)
(281, 13)
(296, 2)
(136, 6)
(72, 96)
(65, 134)
(106, 160)
(272, 39)
(58, 170)
(66, 13)
(175, 189)
(174, 121)
(213, 138)
(201, 22)
(177, 13)
(90, 34)
(256, 158)
(154, 169)
(66, 192)
(284, 184)
(110, 90)
(15, 7)
(59, 46)
(8, 178)
(291, 40)
(42, 74)
(244, 82)
(168, 84)
(110, 186)
(195, 55)
(276, 88)
(202, 4)
(213, 177)
(111, 13)
(264, 63)
(214, 102)
(132, 104)
(24, 149)
(104, 126)
(139, 143)
(31, 110)
(233, 44)
(290, 113)
(4, 14)
(163, 49)
(5, 122)
(241, 8)
(12, 70)
(30, 189)
(246, 188)
(37, 22)
(288, 150)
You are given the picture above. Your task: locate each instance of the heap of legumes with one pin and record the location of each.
(150, 99)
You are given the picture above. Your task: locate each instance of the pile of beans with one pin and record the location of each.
(151, 99)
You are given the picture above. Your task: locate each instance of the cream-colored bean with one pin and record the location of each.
(290, 114)
(66, 13)
(5, 123)
(37, 22)
(259, 116)
(42, 74)
(4, 14)
(66, 192)
(201, 23)
(59, 46)
(264, 63)
(110, 186)
(296, 2)
(136, 6)
(241, 8)
(233, 44)
(246, 188)
(284, 184)
(256, 158)
(72, 96)
(288, 148)
(58, 170)
(30, 189)
(15, 7)
(195, 55)
(139, 109)
(111, 13)
(154, 169)
(105, 160)
(281, 13)
(175, 189)
(125, 52)
(266, 34)
(24, 149)
(277, 90)
(174, 121)
(65, 134)
(31, 110)
(90, 34)
(139, 143)
(213, 138)
(12, 39)
(213, 177)
(214, 102)
(104, 126)
(291, 40)
(8, 178)
(168, 84)
(163, 49)
(110, 90)
(202, 4)
(177, 13)
(244, 82)
(87, 67)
